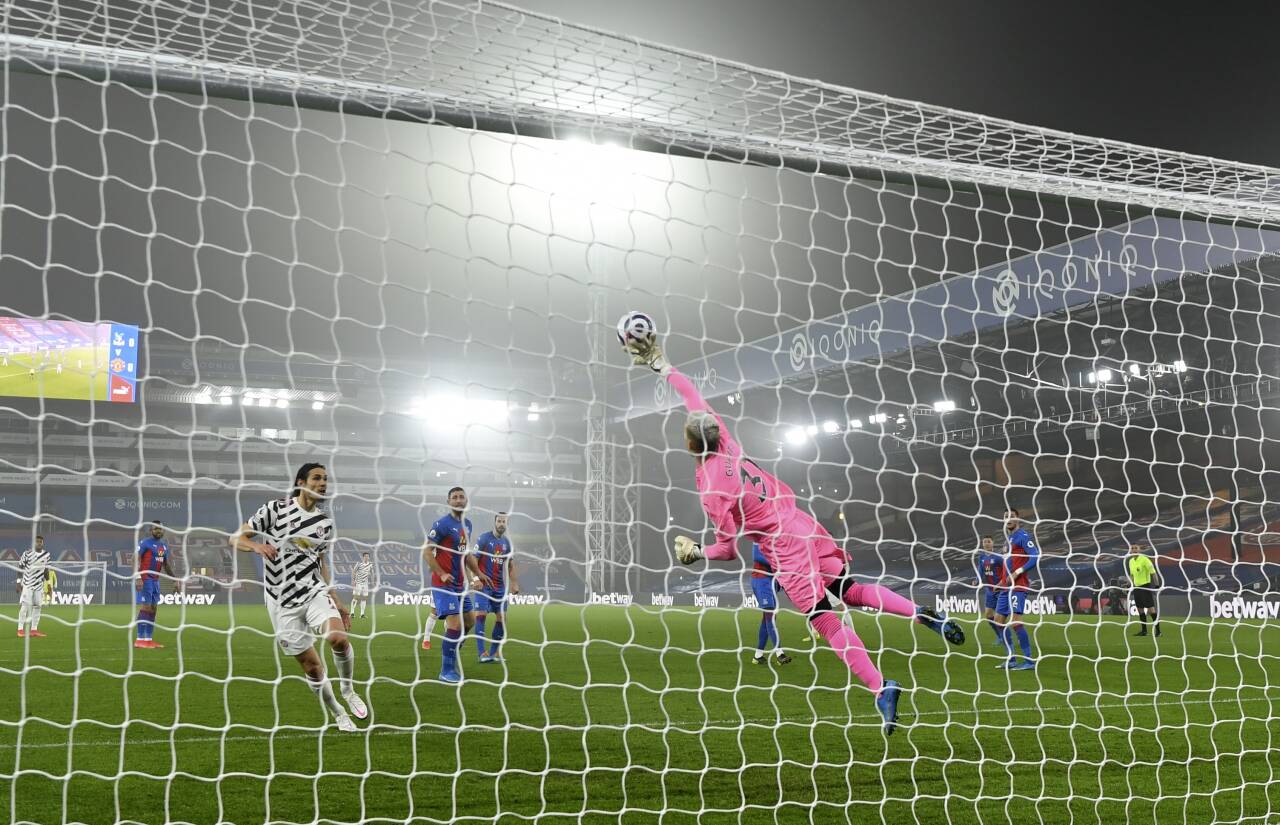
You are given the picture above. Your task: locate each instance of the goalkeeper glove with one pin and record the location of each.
(648, 354)
(687, 550)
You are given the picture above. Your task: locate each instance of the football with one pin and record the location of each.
(635, 328)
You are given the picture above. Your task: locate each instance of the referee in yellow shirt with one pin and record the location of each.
(1144, 579)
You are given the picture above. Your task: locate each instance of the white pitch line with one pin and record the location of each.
(795, 720)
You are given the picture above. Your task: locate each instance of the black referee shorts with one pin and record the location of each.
(1144, 597)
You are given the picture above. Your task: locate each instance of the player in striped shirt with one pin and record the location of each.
(497, 572)
(295, 579)
(739, 497)
(446, 554)
(363, 578)
(34, 570)
(152, 557)
(764, 587)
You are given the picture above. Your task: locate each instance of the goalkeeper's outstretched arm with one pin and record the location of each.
(706, 435)
(649, 354)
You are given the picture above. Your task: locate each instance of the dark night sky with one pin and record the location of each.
(1201, 83)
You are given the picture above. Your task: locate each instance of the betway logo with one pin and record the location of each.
(187, 598)
(703, 600)
(1039, 606)
(406, 598)
(623, 599)
(71, 598)
(661, 600)
(955, 604)
(527, 598)
(1238, 608)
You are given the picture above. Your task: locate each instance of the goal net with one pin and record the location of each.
(395, 241)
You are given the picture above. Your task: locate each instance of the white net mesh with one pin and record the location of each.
(343, 237)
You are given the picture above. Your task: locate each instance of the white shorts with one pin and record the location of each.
(360, 593)
(32, 596)
(296, 628)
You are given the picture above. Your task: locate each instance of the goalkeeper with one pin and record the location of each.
(739, 497)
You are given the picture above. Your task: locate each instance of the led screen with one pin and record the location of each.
(68, 359)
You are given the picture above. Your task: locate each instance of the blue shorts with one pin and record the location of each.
(762, 589)
(1016, 600)
(150, 592)
(990, 597)
(449, 603)
(491, 601)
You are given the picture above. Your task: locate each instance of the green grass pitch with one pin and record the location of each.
(84, 375)
(609, 714)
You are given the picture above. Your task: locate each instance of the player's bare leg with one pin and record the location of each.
(318, 681)
(344, 658)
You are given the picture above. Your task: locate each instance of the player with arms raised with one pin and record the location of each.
(152, 558)
(34, 570)
(300, 596)
(496, 569)
(739, 497)
(1014, 583)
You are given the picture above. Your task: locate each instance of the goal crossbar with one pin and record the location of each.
(496, 68)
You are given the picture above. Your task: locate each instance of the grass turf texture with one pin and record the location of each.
(87, 381)
(601, 719)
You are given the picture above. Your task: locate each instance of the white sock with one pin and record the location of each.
(363, 604)
(24, 614)
(324, 691)
(346, 663)
(35, 616)
(759, 655)
(431, 625)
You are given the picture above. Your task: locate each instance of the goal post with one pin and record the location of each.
(393, 240)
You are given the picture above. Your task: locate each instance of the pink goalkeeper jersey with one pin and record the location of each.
(739, 497)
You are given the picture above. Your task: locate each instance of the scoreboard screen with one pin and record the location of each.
(68, 359)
